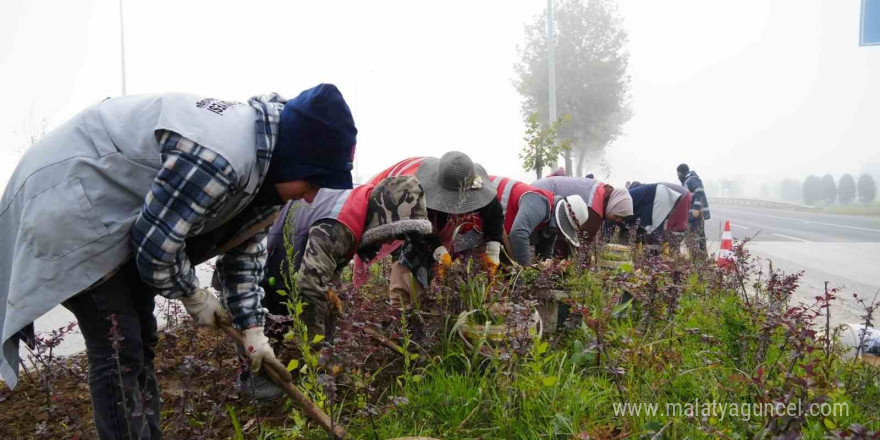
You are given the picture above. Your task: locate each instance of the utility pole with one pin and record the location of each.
(551, 62)
(551, 69)
(122, 45)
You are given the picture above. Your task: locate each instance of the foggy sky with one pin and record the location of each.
(750, 89)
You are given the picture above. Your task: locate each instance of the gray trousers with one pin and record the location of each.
(697, 229)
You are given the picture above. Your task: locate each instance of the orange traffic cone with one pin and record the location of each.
(725, 256)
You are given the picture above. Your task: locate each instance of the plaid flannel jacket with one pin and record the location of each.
(192, 186)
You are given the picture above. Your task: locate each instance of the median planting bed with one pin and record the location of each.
(659, 348)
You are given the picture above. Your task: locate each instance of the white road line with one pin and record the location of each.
(740, 226)
(791, 238)
(810, 221)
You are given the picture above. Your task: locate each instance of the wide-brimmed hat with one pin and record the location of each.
(454, 185)
(571, 213)
(396, 208)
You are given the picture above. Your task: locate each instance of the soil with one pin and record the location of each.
(30, 412)
(197, 371)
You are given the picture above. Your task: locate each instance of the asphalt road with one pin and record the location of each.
(843, 250)
(794, 226)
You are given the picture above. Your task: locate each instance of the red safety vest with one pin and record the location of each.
(348, 207)
(510, 192)
(406, 167)
(353, 212)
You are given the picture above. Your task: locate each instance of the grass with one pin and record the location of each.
(701, 346)
(855, 208)
(494, 401)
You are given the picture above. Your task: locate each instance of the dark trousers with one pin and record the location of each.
(697, 229)
(275, 262)
(122, 379)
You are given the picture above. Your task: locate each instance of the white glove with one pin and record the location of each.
(206, 309)
(493, 252)
(260, 353)
(441, 255)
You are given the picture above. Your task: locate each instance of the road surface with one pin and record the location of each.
(841, 249)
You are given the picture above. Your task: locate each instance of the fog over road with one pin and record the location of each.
(841, 249)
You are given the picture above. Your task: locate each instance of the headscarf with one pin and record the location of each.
(619, 204)
(558, 172)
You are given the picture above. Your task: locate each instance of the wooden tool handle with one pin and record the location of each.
(309, 408)
(203, 247)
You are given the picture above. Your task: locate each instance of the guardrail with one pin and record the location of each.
(758, 203)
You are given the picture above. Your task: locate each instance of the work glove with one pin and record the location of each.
(493, 253)
(443, 259)
(441, 255)
(206, 310)
(334, 302)
(696, 214)
(493, 257)
(260, 353)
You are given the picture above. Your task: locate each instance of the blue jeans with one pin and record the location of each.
(125, 401)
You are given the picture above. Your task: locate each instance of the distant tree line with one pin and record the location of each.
(825, 190)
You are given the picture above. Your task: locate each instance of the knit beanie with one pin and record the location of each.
(316, 140)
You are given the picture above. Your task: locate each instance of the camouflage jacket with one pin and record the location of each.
(313, 242)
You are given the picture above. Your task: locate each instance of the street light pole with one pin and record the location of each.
(551, 61)
(122, 45)
(551, 68)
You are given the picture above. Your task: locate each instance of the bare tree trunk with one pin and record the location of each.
(581, 160)
(539, 167)
(568, 166)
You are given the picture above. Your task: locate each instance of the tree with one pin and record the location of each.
(867, 188)
(829, 189)
(591, 81)
(846, 189)
(32, 130)
(541, 144)
(812, 190)
(729, 188)
(790, 190)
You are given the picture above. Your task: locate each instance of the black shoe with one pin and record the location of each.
(258, 387)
